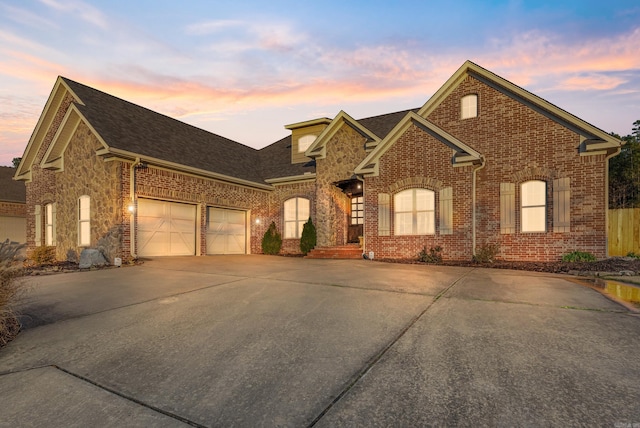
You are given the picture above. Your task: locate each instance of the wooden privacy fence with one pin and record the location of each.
(624, 231)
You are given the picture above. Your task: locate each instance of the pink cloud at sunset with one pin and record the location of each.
(220, 68)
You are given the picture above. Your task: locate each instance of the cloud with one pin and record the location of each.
(85, 11)
(23, 16)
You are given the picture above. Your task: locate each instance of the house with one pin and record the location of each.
(482, 162)
(13, 222)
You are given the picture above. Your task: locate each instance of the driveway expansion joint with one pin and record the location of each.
(128, 398)
(373, 361)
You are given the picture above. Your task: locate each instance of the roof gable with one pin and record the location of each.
(593, 139)
(463, 154)
(319, 147)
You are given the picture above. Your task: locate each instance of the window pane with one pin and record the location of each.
(533, 219)
(534, 193)
(403, 201)
(290, 210)
(290, 229)
(425, 223)
(403, 224)
(469, 106)
(305, 142)
(300, 227)
(303, 209)
(84, 208)
(85, 233)
(424, 200)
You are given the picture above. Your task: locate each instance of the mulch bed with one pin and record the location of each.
(613, 264)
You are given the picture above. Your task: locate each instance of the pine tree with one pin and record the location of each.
(308, 238)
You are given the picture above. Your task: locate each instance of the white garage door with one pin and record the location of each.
(226, 231)
(13, 228)
(166, 228)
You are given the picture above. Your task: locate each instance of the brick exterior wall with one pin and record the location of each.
(13, 209)
(519, 144)
(418, 160)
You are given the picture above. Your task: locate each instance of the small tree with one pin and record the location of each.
(271, 241)
(308, 238)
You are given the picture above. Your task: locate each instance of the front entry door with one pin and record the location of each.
(356, 219)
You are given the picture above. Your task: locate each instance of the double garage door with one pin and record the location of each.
(169, 229)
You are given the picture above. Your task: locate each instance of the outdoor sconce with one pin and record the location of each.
(257, 221)
(131, 208)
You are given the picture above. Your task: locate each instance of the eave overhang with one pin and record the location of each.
(318, 148)
(463, 155)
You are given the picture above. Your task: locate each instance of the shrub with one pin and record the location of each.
(44, 255)
(579, 256)
(9, 289)
(633, 255)
(308, 238)
(271, 241)
(486, 253)
(433, 256)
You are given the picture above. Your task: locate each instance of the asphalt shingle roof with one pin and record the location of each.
(127, 126)
(11, 190)
(130, 127)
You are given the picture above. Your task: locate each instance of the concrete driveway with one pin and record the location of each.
(274, 341)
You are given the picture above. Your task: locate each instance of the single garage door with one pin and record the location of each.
(13, 228)
(166, 228)
(226, 231)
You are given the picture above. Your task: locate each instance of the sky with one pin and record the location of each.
(245, 69)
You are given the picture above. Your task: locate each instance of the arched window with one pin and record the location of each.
(84, 223)
(533, 197)
(414, 212)
(296, 214)
(469, 106)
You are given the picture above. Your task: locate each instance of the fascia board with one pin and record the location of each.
(374, 157)
(56, 96)
(69, 124)
(130, 156)
(291, 179)
(318, 148)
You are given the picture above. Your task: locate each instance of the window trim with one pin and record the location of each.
(430, 225)
(530, 207)
(298, 221)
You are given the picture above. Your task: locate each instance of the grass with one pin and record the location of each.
(10, 287)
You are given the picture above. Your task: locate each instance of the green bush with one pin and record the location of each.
(634, 255)
(271, 241)
(579, 256)
(10, 286)
(433, 256)
(44, 255)
(486, 253)
(308, 238)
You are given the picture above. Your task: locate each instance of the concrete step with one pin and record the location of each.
(339, 252)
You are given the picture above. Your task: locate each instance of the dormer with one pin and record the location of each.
(303, 134)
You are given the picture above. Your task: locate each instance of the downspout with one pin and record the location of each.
(606, 195)
(364, 223)
(473, 206)
(133, 208)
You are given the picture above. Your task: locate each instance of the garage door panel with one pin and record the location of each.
(226, 231)
(166, 228)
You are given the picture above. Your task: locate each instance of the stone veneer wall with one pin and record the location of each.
(87, 174)
(344, 152)
(42, 188)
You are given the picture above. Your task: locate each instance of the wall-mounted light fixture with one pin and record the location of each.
(131, 208)
(257, 221)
